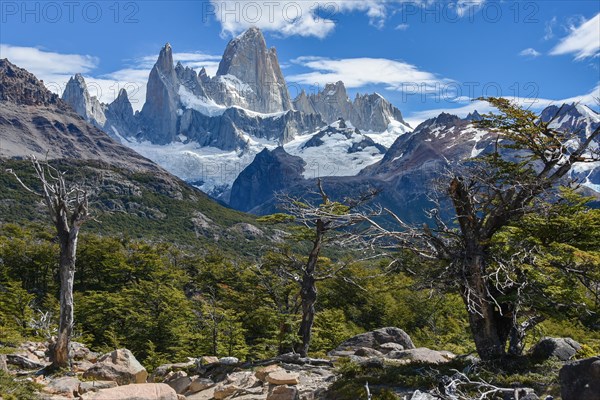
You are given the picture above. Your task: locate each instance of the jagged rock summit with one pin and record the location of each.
(254, 72)
(368, 112)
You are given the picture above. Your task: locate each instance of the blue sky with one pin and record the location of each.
(424, 56)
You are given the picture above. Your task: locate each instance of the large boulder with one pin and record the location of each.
(144, 391)
(580, 380)
(373, 340)
(120, 366)
(66, 386)
(283, 393)
(422, 355)
(562, 348)
(282, 377)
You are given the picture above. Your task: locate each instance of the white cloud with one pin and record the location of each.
(549, 29)
(308, 18)
(583, 41)
(402, 27)
(537, 104)
(358, 72)
(46, 63)
(530, 52)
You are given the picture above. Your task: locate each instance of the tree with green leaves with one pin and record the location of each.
(68, 209)
(489, 193)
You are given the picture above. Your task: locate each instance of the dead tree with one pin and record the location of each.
(68, 209)
(327, 222)
(531, 159)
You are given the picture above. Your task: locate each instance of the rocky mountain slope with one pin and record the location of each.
(208, 129)
(130, 194)
(368, 112)
(408, 173)
(35, 121)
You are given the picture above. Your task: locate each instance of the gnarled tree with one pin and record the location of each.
(68, 209)
(531, 160)
(322, 224)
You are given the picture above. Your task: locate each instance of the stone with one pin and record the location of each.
(120, 366)
(390, 346)
(3, 365)
(367, 352)
(142, 391)
(199, 384)
(580, 380)
(162, 371)
(81, 353)
(374, 339)
(283, 393)
(179, 381)
(67, 386)
(282, 377)
(422, 355)
(23, 362)
(262, 372)
(94, 386)
(82, 366)
(225, 390)
(229, 360)
(208, 360)
(562, 348)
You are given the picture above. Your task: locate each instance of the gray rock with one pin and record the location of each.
(374, 339)
(162, 371)
(158, 118)
(262, 87)
(283, 393)
(179, 381)
(120, 366)
(142, 391)
(94, 386)
(580, 380)
(369, 112)
(23, 362)
(199, 384)
(387, 347)
(270, 172)
(562, 348)
(229, 360)
(422, 355)
(66, 386)
(77, 96)
(3, 365)
(367, 352)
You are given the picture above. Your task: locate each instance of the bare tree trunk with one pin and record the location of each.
(308, 292)
(60, 350)
(482, 311)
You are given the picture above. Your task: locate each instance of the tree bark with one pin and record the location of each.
(60, 349)
(308, 292)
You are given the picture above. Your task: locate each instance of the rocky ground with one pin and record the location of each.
(118, 375)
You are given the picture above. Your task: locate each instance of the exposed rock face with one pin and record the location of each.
(22, 88)
(580, 380)
(35, 121)
(77, 96)
(422, 355)
(562, 348)
(372, 340)
(144, 391)
(368, 112)
(120, 366)
(258, 81)
(270, 172)
(120, 119)
(159, 114)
